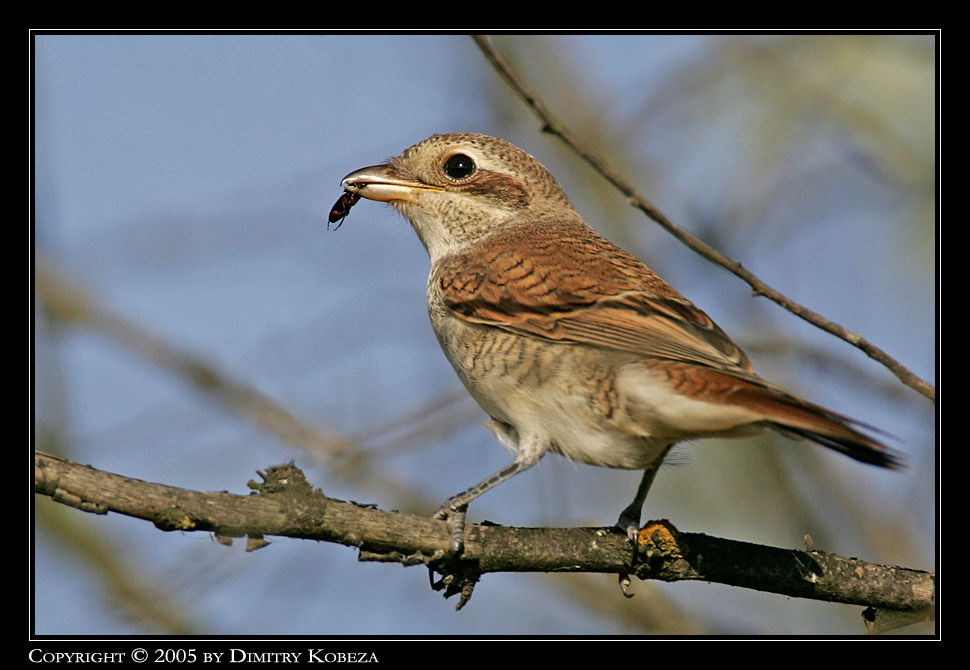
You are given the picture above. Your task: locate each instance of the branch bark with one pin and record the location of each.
(552, 125)
(286, 504)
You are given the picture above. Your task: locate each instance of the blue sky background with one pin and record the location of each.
(185, 181)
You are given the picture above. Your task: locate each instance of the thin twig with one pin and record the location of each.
(552, 125)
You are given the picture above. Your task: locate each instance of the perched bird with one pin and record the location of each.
(568, 342)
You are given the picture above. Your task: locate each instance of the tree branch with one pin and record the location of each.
(285, 504)
(552, 125)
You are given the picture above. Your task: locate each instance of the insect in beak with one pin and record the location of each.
(341, 208)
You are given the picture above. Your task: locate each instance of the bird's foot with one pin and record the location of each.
(455, 516)
(457, 576)
(629, 525)
(658, 548)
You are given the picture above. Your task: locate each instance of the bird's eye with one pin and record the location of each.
(459, 166)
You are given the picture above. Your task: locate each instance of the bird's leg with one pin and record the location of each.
(527, 452)
(454, 579)
(629, 521)
(455, 507)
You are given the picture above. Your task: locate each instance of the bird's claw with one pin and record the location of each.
(460, 581)
(625, 583)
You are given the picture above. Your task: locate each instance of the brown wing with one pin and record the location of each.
(565, 283)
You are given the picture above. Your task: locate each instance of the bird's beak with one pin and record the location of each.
(379, 182)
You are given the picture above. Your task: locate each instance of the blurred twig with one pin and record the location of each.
(66, 301)
(555, 127)
(134, 593)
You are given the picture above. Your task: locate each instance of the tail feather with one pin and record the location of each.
(864, 449)
(792, 415)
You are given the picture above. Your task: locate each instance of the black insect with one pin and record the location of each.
(341, 208)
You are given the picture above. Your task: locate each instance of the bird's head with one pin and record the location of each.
(457, 188)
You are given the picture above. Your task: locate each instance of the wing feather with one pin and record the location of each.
(568, 284)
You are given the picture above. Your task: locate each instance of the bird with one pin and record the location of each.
(570, 344)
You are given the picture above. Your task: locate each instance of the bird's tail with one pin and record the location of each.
(790, 414)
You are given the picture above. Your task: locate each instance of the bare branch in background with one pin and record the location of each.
(555, 127)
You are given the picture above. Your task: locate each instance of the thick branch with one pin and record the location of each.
(286, 504)
(554, 126)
